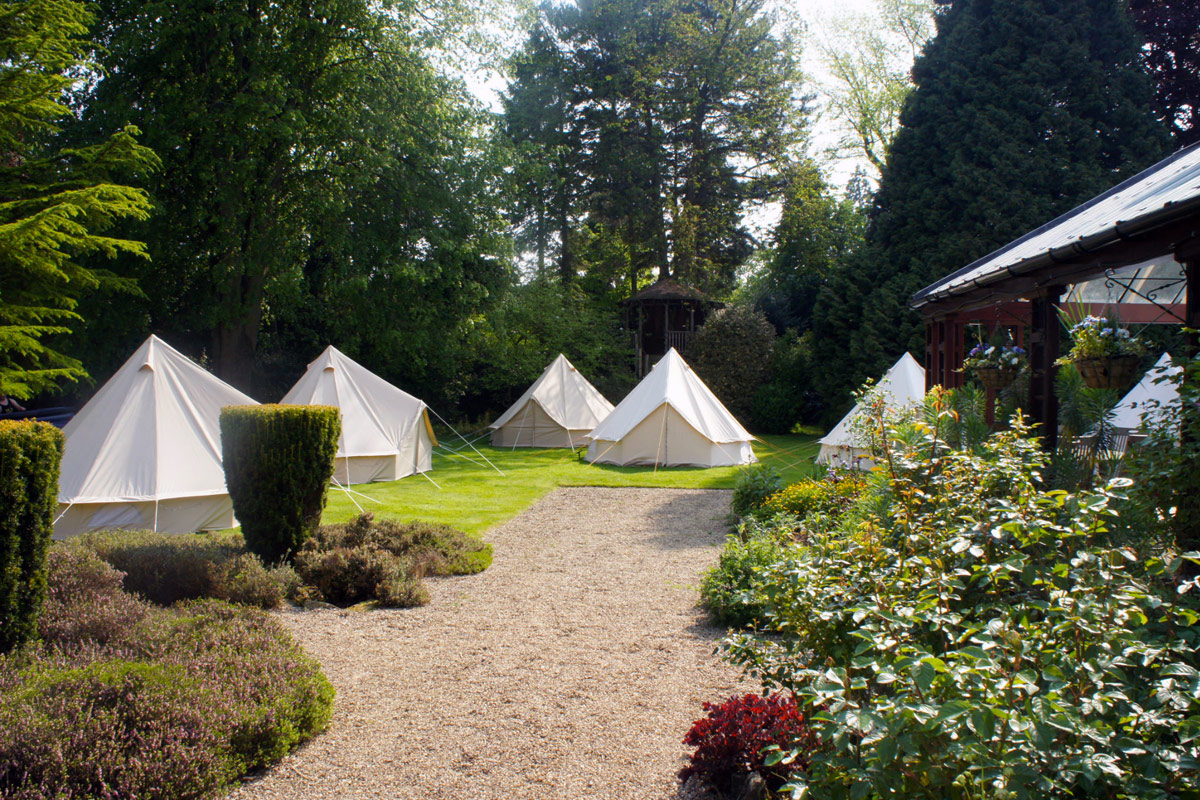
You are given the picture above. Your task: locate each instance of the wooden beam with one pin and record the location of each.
(1044, 350)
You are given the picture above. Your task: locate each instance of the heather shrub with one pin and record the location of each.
(348, 575)
(162, 567)
(110, 729)
(278, 462)
(126, 699)
(433, 549)
(731, 589)
(85, 604)
(732, 740)
(753, 485)
(30, 453)
(244, 579)
(167, 568)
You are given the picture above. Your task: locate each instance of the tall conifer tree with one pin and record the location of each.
(1022, 110)
(55, 201)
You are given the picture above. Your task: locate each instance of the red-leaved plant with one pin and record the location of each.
(729, 741)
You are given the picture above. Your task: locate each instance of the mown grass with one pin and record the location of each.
(473, 496)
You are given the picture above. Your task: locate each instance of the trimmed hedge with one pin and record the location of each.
(278, 462)
(30, 455)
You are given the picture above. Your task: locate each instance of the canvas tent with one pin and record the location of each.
(555, 411)
(902, 386)
(671, 419)
(386, 433)
(1150, 397)
(145, 452)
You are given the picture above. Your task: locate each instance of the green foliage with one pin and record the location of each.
(732, 589)
(278, 462)
(816, 233)
(1166, 480)
(971, 634)
(1171, 55)
(753, 485)
(731, 352)
(56, 199)
(1022, 110)
(869, 66)
(292, 183)
(832, 495)
(30, 453)
(506, 350)
(631, 121)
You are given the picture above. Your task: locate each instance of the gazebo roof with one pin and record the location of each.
(1089, 237)
(669, 289)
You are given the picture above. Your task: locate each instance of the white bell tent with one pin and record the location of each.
(1150, 398)
(145, 452)
(557, 410)
(902, 387)
(671, 419)
(386, 433)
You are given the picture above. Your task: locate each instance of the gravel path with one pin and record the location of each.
(570, 669)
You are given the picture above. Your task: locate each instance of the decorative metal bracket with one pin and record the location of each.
(1111, 279)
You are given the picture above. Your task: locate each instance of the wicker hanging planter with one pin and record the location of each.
(995, 378)
(1114, 372)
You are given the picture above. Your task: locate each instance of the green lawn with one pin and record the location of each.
(473, 496)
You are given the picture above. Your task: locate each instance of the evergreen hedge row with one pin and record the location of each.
(278, 462)
(30, 455)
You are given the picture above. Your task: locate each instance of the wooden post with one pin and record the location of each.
(1044, 350)
(930, 349)
(1191, 269)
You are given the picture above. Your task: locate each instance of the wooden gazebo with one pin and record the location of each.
(1134, 249)
(665, 314)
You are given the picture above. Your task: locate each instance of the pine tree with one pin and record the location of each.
(1022, 110)
(54, 201)
(1171, 29)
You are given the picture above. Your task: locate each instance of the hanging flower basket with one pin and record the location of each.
(995, 378)
(1109, 372)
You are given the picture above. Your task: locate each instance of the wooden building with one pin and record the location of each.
(665, 314)
(1133, 250)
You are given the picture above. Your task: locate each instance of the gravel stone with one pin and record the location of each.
(571, 668)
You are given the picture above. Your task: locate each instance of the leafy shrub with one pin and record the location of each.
(433, 549)
(1167, 481)
(278, 462)
(730, 741)
(753, 485)
(731, 352)
(731, 589)
(977, 635)
(30, 453)
(828, 496)
(167, 568)
(348, 575)
(126, 699)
